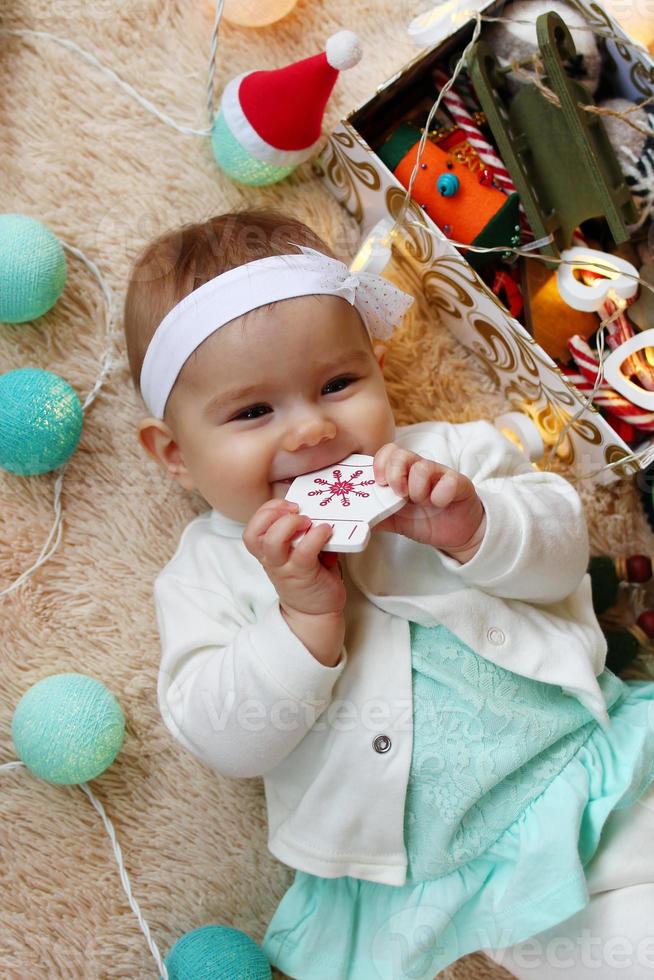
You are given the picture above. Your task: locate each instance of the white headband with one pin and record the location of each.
(247, 287)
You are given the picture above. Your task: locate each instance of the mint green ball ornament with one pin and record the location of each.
(217, 953)
(32, 268)
(238, 163)
(68, 728)
(41, 421)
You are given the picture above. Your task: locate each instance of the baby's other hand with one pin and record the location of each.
(304, 583)
(443, 509)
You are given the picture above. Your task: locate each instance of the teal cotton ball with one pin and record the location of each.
(217, 953)
(32, 268)
(68, 728)
(41, 421)
(238, 163)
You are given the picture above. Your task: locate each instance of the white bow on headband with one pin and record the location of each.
(381, 304)
(247, 287)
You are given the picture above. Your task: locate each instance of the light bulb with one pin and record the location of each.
(256, 13)
(375, 251)
(434, 25)
(522, 431)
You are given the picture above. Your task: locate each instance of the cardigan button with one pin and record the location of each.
(381, 743)
(496, 636)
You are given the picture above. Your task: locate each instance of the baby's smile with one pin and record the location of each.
(317, 463)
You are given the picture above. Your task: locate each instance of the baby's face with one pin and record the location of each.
(288, 389)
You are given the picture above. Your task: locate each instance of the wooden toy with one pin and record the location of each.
(560, 157)
(347, 496)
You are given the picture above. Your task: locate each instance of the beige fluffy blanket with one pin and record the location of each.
(106, 176)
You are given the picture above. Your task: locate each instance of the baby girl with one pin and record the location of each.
(448, 765)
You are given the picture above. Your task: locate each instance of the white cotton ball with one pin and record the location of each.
(622, 134)
(343, 50)
(517, 41)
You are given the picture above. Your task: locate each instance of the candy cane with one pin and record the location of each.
(486, 152)
(605, 400)
(622, 426)
(475, 137)
(468, 93)
(606, 397)
(619, 330)
(587, 364)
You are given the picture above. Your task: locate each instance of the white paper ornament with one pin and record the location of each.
(618, 276)
(614, 376)
(347, 496)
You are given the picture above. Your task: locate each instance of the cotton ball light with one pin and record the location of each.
(517, 41)
(216, 953)
(238, 164)
(40, 421)
(68, 728)
(32, 268)
(256, 13)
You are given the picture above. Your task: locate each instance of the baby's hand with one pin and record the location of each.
(303, 583)
(444, 509)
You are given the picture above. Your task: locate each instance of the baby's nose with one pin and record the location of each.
(308, 432)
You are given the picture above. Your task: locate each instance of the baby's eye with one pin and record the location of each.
(253, 412)
(337, 384)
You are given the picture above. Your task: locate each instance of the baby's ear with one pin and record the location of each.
(379, 350)
(158, 440)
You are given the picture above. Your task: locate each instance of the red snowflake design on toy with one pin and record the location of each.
(340, 487)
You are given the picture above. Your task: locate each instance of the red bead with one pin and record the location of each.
(639, 568)
(646, 622)
(486, 178)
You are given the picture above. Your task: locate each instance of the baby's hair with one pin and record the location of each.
(181, 260)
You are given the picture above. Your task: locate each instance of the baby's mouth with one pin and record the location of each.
(289, 479)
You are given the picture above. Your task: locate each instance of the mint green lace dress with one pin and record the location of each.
(511, 782)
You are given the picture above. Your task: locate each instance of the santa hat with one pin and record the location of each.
(277, 115)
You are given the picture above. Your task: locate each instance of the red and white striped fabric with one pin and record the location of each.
(475, 137)
(621, 330)
(588, 365)
(601, 399)
(477, 140)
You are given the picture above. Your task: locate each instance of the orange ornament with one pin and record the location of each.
(468, 211)
(550, 320)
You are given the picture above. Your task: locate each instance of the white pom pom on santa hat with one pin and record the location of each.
(343, 50)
